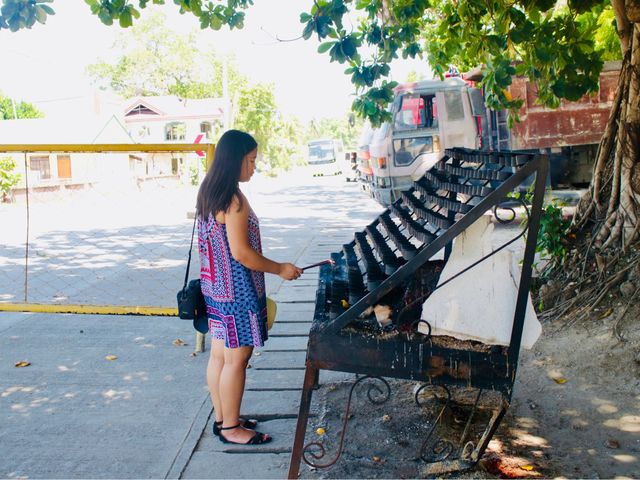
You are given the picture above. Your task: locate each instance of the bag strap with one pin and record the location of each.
(193, 231)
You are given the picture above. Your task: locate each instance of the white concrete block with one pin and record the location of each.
(479, 304)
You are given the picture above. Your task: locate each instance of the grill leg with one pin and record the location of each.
(310, 379)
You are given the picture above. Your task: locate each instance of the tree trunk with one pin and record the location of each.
(612, 203)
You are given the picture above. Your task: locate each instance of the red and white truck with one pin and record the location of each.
(430, 116)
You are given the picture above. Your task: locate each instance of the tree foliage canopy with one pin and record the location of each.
(552, 42)
(345, 129)
(22, 109)
(156, 60)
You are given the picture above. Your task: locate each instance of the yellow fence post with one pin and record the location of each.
(211, 148)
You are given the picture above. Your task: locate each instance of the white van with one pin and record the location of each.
(427, 117)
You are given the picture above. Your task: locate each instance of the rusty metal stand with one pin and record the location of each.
(310, 381)
(332, 346)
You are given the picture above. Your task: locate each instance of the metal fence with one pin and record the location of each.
(98, 228)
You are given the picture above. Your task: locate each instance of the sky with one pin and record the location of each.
(48, 62)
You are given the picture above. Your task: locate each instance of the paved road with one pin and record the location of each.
(74, 414)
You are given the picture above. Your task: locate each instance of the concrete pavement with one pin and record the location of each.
(78, 412)
(73, 413)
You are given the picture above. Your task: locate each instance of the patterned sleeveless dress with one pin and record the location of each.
(235, 295)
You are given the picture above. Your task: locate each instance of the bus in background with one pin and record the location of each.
(325, 157)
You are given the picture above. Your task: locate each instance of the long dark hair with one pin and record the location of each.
(220, 184)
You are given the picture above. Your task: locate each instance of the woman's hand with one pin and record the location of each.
(289, 271)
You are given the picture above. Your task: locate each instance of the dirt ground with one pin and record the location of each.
(575, 413)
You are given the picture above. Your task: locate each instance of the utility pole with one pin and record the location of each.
(225, 94)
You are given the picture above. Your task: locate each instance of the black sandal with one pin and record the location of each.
(249, 423)
(258, 439)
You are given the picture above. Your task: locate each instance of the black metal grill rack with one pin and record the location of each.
(460, 188)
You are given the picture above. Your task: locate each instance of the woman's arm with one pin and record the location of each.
(237, 221)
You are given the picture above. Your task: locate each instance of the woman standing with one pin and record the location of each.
(232, 280)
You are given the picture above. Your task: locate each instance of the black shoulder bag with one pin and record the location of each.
(191, 304)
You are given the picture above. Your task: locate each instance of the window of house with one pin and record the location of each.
(41, 165)
(135, 164)
(140, 110)
(205, 127)
(64, 166)
(175, 131)
(175, 163)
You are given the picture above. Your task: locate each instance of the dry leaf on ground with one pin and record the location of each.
(506, 466)
(111, 357)
(612, 443)
(22, 363)
(606, 314)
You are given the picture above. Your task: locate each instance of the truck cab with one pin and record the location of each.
(427, 117)
(431, 116)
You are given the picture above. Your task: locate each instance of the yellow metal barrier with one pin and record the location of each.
(99, 148)
(110, 147)
(89, 309)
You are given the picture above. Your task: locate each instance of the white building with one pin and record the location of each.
(61, 171)
(169, 119)
(96, 119)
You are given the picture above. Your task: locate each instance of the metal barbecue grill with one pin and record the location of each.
(384, 260)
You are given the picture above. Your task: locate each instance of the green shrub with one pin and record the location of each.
(8, 178)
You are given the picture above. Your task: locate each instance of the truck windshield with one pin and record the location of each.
(416, 111)
(408, 149)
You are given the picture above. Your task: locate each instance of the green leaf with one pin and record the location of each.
(308, 31)
(325, 46)
(521, 69)
(544, 5)
(48, 10)
(125, 19)
(215, 23)
(41, 15)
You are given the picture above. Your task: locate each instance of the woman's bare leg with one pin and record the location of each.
(214, 369)
(232, 380)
